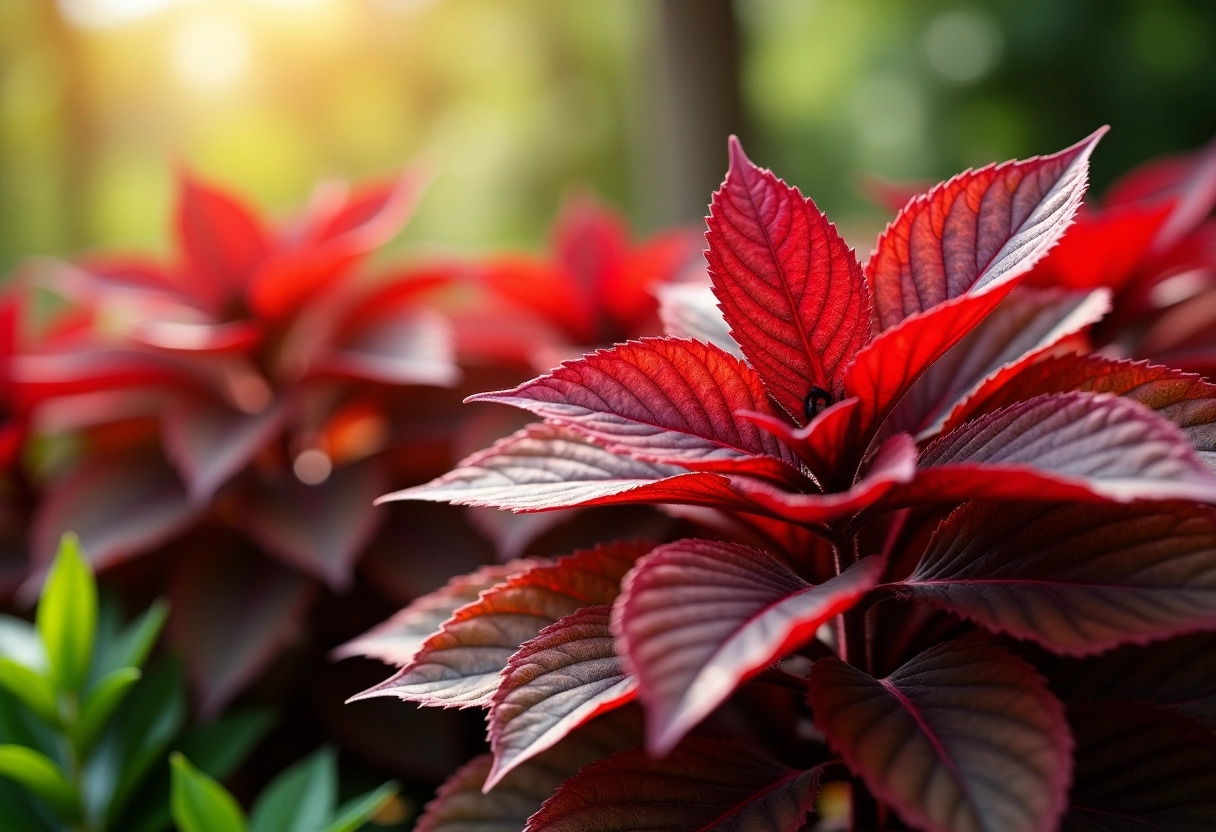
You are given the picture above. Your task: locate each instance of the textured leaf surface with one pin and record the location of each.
(544, 467)
(963, 738)
(980, 229)
(703, 785)
(690, 310)
(1077, 579)
(566, 676)
(696, 618)
(790, 288)
(1024, 325)
(460, 665)
(663, 400)
(1065, 447)
(1139, 768)
(398, 639)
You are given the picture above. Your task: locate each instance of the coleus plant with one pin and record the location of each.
(903, 586)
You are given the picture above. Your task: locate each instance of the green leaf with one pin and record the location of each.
(131, 646)
(67, 616)
(355, 812)
(199, 804)
(301, 799)
(100, 703)
(19, 641)
(33, 689)
(40, 775)
(20, 812)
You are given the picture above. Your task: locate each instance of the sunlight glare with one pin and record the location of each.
(211, 52)
(98, 14)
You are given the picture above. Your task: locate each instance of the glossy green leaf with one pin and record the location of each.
(67, 616)
(38, 773)
(356, 811)
(100, 703)
(131, 646)
(32, 688)
(301, 799)
(199, 804)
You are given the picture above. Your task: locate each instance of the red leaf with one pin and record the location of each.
(320, 529)
(1140, 768)
(233, 612)
(224, 241)
(460, 665)
(541, 287)
(697, 618)
(545, 467)
(1072, 446)
(629, 296)
(962, 737)
(210, 442)
(566, 676)
(1024, 326)
(791, 290)
(415, 346)
(704, 785)
(371, 216)
(663, 400)
(1077, 579)
(979, 230)
(397, 640)
(827, 445)
(1101, 249)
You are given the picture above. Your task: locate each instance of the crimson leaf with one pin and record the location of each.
(961, 737)
(223, 240)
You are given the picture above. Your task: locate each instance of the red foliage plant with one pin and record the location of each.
(979, 612)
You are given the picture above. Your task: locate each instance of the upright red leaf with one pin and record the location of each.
(1078, 579)
(981, 229)
(697, 618)
(962, 738)
(224, 242)
(790, 288)
(663, 400)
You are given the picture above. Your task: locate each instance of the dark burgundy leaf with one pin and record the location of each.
(790, 288)
(209, 442)
(697, 618)
(962, 737)
(1072, 446)
(704, 785)
(545, 467)
(397, 640)
(460, 665)
(1139, 768)
(567, 675)
(979, 230)
(1078, 579)
(663, 400)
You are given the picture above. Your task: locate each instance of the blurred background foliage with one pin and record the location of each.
(514, 103)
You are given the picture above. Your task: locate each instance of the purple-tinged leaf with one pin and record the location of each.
(979, 230)
(706, 784)
(663, 400)
(460, 666)
(397, 640)
(545, 467)
(790, 288)
(697, 618)
(410, 346)
(1025, 325)
(962, 738)
(1139, 768)
(1078, 579)
(1073, 446)
(690, 310)
(566, 676)
(210, 442)
(320, 528)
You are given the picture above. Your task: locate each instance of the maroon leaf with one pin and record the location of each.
(1139, 768)
(320, 528)
(663, 400)
(460, 665)
(697, 618)
(1073, 446)
(704, 785)
(962, 737)
(826, 445)
(412, 346)
(545, 467)
(790, 288)
(979, 230)
(690, 310)
(233, 612)
(397, 640)
(1078, 579)
(223, 240)
(1025, 325)
(209, 442)
(567, 675)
